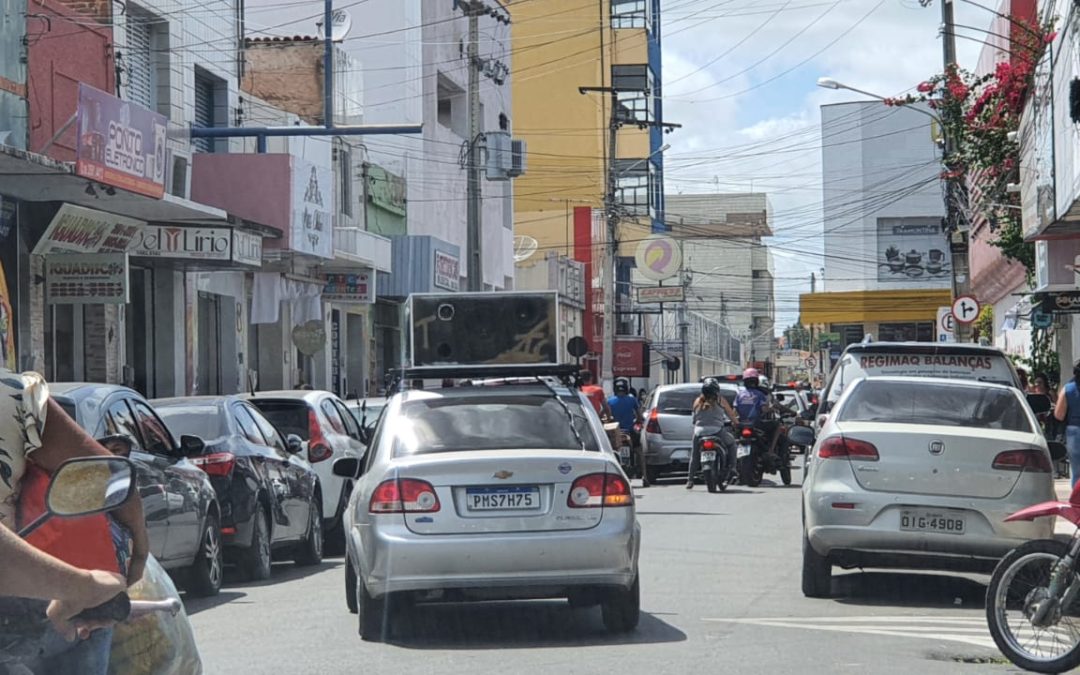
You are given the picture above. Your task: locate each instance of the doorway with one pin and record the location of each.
(209, 343)
(139, 333)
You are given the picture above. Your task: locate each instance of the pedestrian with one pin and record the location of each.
(595, 394)
(1041, 385)
(1022, 374)
(1067, 410)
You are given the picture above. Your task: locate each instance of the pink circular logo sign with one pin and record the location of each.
(658, 257)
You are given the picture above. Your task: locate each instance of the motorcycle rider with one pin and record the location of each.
(712, 414)
(624, 408)
(595, 394)
(753, 401)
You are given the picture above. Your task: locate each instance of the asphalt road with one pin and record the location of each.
(720, 593)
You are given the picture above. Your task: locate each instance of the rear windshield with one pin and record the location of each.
(290, 417)
(948, 405)
(489, 423)
(204, 421)
(681, 401)
(983, 367)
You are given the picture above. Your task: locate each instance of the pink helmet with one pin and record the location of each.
(751, 374)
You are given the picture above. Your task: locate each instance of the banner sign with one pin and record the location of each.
(447, 271)
(247, 248)
(185, 243)
(86, 279)
(661, 294)
(311, 229)
(120, 143)
(1065, 302)
(75, 229)
(357, 289)
(630, 359)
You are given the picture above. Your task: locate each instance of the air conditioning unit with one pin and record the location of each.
(517, 159)
(178, 174)
(498, 155)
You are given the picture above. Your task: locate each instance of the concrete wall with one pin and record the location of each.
(13, 127)
(877, 162)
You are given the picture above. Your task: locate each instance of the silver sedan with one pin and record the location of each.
(921, 472)
(490, 492)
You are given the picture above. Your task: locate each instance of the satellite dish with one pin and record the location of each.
(524, 247)
(340, 25)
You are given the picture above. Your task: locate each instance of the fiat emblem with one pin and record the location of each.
(936, 447)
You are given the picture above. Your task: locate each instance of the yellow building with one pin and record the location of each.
(558, 47)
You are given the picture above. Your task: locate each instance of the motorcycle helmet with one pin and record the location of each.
(710, 388)
(751, 374)
(622, 387)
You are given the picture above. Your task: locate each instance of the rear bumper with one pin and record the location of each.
(664, 452)
(393, 559)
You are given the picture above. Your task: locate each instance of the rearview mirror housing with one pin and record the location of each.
(347, 467)
(192, 446)
(294, 444)
(807, 415)
(801, 436)
(89, 485)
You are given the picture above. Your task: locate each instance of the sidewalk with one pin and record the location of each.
(1063, 488)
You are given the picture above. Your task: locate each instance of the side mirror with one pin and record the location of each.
(801, 436)
(347, 467)
(294, 444)
(807, 415)
(1040, 403)
(192, 446)
(1058, 451)
(781, 397)
(85, 486)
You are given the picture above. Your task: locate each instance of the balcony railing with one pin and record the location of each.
(357, 245)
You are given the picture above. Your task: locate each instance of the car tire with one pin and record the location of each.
(816, 572)
(373, 621)
(205, 575)
(310, 550)
(621, 608)
(350, 588)
(256, 561)
(334, 536)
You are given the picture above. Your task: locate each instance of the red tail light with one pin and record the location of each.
(406, 495)
(318, 449)
(747, 432)
(599, 489)
(707, 444)
(653, 427)
(216, 464)
(1018, 460)
(852, 448)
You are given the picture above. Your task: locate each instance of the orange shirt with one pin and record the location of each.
(596, 396)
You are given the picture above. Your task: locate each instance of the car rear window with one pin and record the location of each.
(290, 417)
(936, 404)
(204, 421)
(677, 402)
(503, 422)
(984, 367)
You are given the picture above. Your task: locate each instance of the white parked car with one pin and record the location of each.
(486, 492)
(921, 473)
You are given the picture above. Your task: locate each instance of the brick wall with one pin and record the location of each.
(99, 10)
(287, 74)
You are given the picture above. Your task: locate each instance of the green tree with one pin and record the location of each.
(797, 337)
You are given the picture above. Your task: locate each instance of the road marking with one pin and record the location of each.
(967, 630)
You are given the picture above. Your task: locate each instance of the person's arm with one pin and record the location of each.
(732, 415)
(30, 573)
(62, 439)
(1062, 407)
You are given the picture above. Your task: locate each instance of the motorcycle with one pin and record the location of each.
(623, 444)
(88, 486)
(1032, 606)
(714, 461)
(753, 459)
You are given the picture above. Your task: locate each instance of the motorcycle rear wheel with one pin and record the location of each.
(1010, 599)
(710, 479)
(785, 474)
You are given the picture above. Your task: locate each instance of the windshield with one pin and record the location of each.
(936, 404)
(204, 421)
(290, 417)
(993, 368)
(524, 422)
(681, 401)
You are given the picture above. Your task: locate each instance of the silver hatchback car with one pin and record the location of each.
(668, 434)
(487, 492)
(921, 473)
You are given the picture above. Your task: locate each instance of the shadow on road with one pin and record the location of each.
(518, 625)
(908, 589)
(194, 605)
(282, 572)
(680, 513)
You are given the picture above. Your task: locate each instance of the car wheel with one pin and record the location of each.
(816, 572)
(206, 573)
(310, 551)
(334, 537)
(255, 561)
(350, 588)
(372, 617)
(621, 608)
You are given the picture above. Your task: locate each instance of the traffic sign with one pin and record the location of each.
(946, 325)
(965, 309)
(811, 363)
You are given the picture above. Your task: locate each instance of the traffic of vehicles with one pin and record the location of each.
(504, 482)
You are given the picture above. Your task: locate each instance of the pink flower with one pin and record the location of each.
(1050, 36)
(925, 87)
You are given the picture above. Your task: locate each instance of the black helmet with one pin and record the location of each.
(710, 388)
(621, 386)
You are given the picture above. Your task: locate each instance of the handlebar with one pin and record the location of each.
(122, 608)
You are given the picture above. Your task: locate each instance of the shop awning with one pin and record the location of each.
(872, 306)
(37, 178)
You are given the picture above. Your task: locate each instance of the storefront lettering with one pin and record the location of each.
(183, 242)
(125, 149)
(899, 360)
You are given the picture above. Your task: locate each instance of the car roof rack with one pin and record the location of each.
(567, 373)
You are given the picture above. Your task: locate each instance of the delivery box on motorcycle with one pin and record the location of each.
(482, 331)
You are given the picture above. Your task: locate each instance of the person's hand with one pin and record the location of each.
(97, 587)
(136, 567)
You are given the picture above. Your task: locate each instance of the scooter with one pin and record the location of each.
(714, 462)
(1032, 606)
(83, 487)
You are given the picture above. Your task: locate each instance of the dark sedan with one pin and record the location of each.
(270, 496)
(183, 518)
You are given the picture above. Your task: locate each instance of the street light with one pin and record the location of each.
(830, 83)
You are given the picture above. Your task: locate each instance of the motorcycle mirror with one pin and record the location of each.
(86, 486)
(807, 415)
(1058, 451)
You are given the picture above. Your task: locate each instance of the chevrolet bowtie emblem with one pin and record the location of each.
(502, 475)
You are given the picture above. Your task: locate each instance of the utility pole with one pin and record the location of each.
(955, 191)
(474, 210)
(611, 250)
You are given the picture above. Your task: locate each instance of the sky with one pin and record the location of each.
(740, 77)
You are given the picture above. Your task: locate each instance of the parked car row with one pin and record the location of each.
(238, 479)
